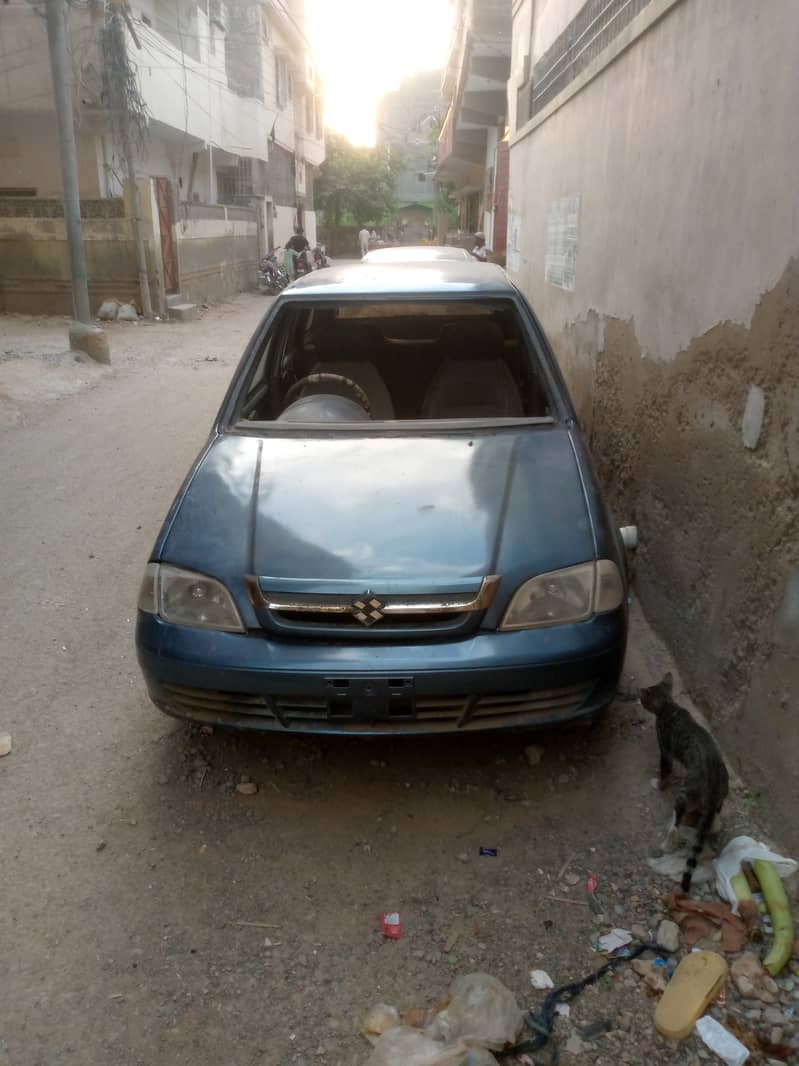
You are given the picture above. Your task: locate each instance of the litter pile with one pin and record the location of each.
(752, 999)
(725, 972)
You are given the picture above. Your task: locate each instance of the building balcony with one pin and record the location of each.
(461, 151)
(309, 148)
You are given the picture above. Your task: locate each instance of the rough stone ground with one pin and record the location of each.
(150, 912)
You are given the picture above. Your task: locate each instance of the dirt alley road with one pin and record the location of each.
(130, 866)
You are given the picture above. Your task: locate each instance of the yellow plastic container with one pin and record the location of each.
(696, 982)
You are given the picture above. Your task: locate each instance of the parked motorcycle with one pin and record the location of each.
(271, 278)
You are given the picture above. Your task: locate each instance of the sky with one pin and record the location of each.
(363, 48)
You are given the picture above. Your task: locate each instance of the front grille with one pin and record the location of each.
(432, 714)
(310, 620)
(370, 614)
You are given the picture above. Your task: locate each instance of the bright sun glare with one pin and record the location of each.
(363, 48)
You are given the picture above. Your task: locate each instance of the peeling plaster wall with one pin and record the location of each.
(686, 294)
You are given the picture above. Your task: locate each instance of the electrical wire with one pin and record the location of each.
(188, 96)
(542, 1022)
(157, 42)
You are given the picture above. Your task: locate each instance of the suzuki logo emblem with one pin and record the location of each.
(368, 610)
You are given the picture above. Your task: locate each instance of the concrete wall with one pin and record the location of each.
(676, 162)
(216, 258)
(217, 255)
(29, 156)
(34, 264)
(488, 201)
(25, 80)
(285, 219)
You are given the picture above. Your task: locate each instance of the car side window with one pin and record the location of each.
(254, 401)
(275, 368)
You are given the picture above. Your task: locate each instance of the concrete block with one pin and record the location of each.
(754, 412)
(90, 339)
(184, 312)
(175, 298)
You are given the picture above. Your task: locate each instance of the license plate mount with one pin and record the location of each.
(373, 699)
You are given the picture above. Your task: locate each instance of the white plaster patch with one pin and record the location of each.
(513, 255)
(752, 422)
(560, 263)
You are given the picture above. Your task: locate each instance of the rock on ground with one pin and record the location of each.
(668, 935)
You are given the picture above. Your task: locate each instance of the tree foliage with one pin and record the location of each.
(356, 182)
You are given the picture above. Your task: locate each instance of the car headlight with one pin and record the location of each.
(570, 595)
(188, 599)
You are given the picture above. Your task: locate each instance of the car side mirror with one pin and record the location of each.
(629, 537)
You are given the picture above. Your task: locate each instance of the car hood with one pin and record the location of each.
(384, 512)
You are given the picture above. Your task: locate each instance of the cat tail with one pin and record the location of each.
(702, 831)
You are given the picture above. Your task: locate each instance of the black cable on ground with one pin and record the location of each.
(542, 1022)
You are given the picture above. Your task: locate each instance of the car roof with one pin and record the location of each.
(440, 277)
(417, 253)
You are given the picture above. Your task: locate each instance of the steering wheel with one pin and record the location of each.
(320, 379)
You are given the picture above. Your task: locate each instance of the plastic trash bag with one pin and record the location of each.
(672, 865)
(745, 849)
(379, 1020)
(481, 1011)
(409, 1047)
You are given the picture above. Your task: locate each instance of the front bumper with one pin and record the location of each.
(490, 680)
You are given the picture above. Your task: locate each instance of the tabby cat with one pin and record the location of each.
(706, 781)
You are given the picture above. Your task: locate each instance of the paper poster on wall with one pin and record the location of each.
(513, 255)
(560, 264)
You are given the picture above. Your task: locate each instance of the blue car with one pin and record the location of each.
(394, 526)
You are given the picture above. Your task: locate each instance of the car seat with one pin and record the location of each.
(473, 379)
(333, 347)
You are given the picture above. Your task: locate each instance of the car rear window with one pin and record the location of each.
(396, 360)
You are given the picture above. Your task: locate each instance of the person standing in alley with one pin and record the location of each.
(363, 239)
(480, 251)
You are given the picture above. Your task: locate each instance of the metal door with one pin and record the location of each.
(163, 195)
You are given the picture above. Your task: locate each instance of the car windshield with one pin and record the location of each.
(384, 360)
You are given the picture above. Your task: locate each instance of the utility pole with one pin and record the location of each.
(62, 95)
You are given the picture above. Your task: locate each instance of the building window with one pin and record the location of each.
(281, 81)
(594, 27)
(235, 184)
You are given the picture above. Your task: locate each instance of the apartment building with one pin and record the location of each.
(472, 153)
(234, 136)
